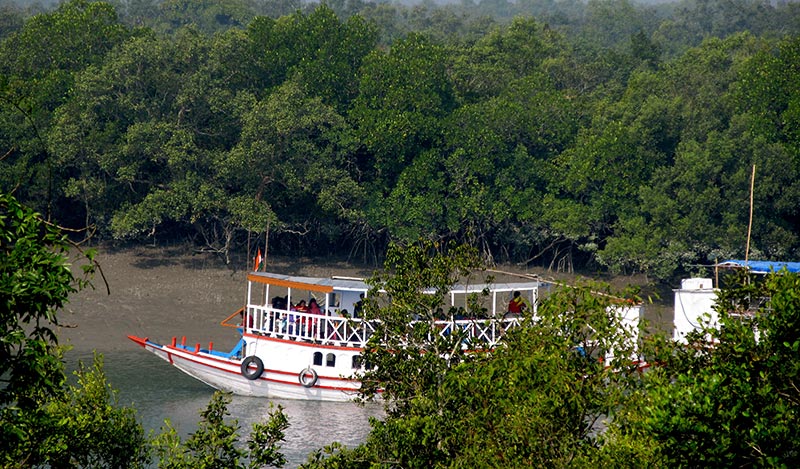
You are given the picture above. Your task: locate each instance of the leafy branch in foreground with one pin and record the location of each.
(407, 349)
(734, 400)
(46, 423)
(215, 444)
(42, 420)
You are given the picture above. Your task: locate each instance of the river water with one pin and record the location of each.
(159, 391)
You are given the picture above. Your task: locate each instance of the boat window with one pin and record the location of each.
(318, 358)
(330, 360)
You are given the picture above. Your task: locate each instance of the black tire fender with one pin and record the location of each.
(252, 373)
(308, 377)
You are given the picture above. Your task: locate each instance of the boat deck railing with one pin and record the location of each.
(339, 330)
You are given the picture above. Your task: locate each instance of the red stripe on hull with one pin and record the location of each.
(188, 357)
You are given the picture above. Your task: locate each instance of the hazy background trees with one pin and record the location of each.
(607, 135)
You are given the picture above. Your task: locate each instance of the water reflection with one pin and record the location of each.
(159, 391)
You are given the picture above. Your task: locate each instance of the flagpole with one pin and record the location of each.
(247, 257)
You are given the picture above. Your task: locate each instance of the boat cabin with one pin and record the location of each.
(278, 306)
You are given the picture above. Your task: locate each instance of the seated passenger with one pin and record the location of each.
(300, 307)
(517, 305)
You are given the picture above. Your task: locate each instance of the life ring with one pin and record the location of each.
(308, 377)
(250, 373)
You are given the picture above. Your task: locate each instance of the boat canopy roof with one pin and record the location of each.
(496, 287)
(317, 284)
(329, 284)
(761, 267)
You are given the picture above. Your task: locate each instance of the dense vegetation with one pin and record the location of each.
(534, 402)
(538, 402)
(565, 134)
(47, 422)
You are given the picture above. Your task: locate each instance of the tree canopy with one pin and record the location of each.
(608, 135)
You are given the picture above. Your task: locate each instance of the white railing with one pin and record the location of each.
(295, 325)
(355, 332)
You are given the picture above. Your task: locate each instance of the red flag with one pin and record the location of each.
(258, 260)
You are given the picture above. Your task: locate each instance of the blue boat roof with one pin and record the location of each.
(762, 267)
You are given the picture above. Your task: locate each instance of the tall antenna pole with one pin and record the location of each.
(750, 225)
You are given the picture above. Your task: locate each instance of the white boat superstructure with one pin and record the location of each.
(288, 350)
(696, 300)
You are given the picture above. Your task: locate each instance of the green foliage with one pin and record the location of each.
(403, 94)
(42, 421)
(215, 443)
(576, 139)
(83, 30)
(46, 423)
(35, 282)
(208, 16)
(409, 358)
(728, 398)
(540, 399)
(90, 428)
(733, 402)
(37, 77)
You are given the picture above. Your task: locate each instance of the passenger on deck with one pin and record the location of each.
(517, 305)
(358, 308)
(311, 323)
(278, 303)
(249, 319)
(300, 307)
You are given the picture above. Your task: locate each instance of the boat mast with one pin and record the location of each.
(750, 224)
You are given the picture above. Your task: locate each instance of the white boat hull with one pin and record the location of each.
(281, 377)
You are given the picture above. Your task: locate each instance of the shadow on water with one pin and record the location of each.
(159, 391)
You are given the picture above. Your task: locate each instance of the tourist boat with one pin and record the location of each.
(290, 354)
